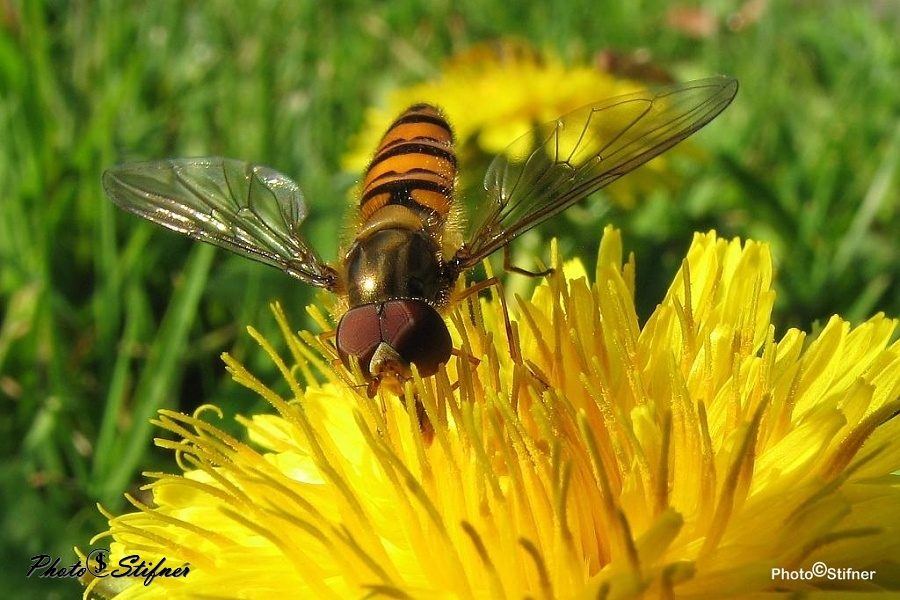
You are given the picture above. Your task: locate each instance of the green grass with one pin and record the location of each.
(106, 319)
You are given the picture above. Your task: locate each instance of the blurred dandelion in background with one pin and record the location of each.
(526, 88)
(686, 457)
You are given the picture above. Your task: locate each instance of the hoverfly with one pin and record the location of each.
(397, 272)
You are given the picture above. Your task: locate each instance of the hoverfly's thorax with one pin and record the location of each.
(394, 262)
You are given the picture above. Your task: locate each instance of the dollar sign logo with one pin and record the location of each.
(99, 556)
(101, 564)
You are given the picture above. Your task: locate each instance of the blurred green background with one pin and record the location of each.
(105, 318)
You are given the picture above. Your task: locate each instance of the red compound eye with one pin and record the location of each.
(358, 334)
(417, 332)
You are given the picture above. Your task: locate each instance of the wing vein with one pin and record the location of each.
(608, 139)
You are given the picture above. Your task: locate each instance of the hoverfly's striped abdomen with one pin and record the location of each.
(414, 166)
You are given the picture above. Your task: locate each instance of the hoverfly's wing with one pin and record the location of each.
(561, 162)
(246, 208)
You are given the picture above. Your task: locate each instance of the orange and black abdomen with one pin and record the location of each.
(414, 166)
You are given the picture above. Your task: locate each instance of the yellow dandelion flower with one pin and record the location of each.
(494, 94)
(696, 456)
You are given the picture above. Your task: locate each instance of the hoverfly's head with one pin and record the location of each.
(386, 338)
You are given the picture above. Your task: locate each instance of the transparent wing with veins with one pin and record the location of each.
(249, 209)
(562, 162)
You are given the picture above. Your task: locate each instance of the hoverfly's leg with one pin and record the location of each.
(460, 354)
(338, 365)
(346, 375)
(349, 375)
(508, 266)
(510, 336)
(329, 348)
(426, 428)
(474, 361)
(325, 336)
(334, 360)
(477, 287)
(358, 386)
